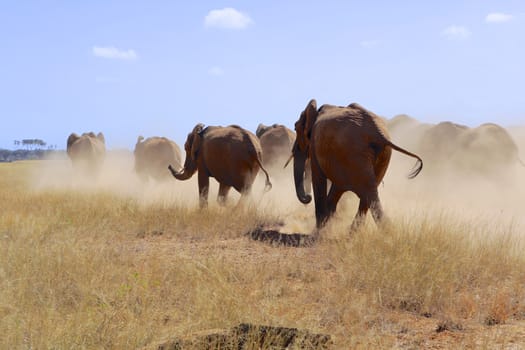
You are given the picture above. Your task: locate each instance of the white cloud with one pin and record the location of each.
(456, 32)
(498, 17)
(114, 53)
(227, 18)
(368, 44)
(216, 71)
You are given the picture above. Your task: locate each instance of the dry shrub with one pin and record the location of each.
(430, 266)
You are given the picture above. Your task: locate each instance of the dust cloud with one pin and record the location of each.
(496, 199)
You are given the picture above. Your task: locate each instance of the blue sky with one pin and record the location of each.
(130, 68)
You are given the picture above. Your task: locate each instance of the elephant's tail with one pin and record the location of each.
(419, 164)
(268, 184)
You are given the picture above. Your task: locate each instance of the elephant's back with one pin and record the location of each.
(86, 147)
(164, 148)
(277, 142)
(490, 143)
(349, 130)
(278, 136)
(346, 142)
(229, 153)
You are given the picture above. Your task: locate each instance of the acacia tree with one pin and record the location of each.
(33, 143)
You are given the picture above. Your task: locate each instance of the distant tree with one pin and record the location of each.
(33, 143)
(39, 143)
(26, 143)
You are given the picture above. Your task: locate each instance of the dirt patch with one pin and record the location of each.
(248, 336)
(274, 236)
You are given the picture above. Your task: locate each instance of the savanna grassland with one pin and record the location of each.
(116, 264)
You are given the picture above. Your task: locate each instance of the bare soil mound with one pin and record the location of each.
(249, 336)
(273, 236)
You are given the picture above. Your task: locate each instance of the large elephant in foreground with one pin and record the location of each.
(350, 147)
(87, 152)
(153, 155)
(231, 154)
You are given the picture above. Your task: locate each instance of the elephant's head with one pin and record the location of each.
(261, 129)
(101, 137)
(139, 146)
(192, 147)
(301, 147)
(71, 140)
(139, 143)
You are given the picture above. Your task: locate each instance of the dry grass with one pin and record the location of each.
(95, 268)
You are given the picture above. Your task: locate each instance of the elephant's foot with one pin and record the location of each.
(358, 222)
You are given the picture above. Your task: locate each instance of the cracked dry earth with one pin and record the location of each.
(299, 274)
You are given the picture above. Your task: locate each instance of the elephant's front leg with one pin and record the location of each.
(319, 187)
(223, 193)
(204, 187)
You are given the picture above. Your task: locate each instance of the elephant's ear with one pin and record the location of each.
(101, 137)
(196, 140)
(71, 139)
(261, 129)
(303, 127)
(139, 143)
(310, 113)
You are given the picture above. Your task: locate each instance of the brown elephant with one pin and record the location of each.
(87, 152)
(153, 155)
(231, 154)
(350, 147)
(276, 143)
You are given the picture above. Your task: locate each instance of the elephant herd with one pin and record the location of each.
(334, 149)
(487, 150)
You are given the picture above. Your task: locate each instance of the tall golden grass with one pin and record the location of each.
(98, 269)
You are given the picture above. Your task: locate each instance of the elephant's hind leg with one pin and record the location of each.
(334, 195)
(223, 193)
(368, 201)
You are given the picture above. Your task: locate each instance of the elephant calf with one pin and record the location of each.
(87, 152)
(231, 155)
(153, 155)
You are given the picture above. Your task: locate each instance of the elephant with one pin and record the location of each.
(349, 146)
(483, 150)
(153, 155)
(231, 155)
(410, 130)
(87, 152)
(400, 121)
(276, 143)
(440, 142)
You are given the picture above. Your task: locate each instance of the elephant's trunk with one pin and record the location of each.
(298, 175)
(185, 174)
